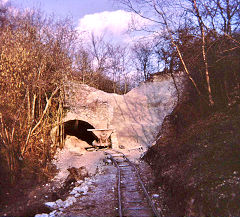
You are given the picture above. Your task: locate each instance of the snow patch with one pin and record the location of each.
(77, 190)
(61, 204)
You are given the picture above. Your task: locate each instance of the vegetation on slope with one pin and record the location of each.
(200, 167)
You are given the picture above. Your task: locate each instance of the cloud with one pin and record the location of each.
(3, 2)
(114, 24)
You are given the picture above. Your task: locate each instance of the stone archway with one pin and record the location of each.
(78, 128)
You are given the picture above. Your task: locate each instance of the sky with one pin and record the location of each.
(101, 17)
(75, 8)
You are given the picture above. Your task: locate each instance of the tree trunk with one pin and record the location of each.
(200, 22)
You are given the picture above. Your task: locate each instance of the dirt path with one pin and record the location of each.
(100, 199)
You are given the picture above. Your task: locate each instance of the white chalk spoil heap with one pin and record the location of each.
(136, 116)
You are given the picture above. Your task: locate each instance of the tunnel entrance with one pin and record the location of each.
(79, 129)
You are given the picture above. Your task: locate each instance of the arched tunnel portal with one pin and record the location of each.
(78, 128)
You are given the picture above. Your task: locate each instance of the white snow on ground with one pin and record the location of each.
(59, 205)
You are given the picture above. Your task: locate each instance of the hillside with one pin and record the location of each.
(199, 167)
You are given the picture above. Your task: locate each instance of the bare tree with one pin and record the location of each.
(117, 65)
(220, 15)
(84, 67)
(162, 14)
(143, 55)
(100, 53)
(202, 29)
(102, 64)
(35, 56)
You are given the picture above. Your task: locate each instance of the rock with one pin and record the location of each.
(42, 215)
(121, 146)
(59, 203)
(81, 189)
(107, 161)
(74, 191)
(77, 173)
(80, 182)
(155, 195)
(51, 205)
(52, 214)
(70, 200)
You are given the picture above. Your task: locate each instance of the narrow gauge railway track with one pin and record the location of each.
(133, 198)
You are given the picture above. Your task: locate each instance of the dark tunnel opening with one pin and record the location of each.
(79, 128)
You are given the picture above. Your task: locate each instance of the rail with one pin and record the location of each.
(126, 207)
